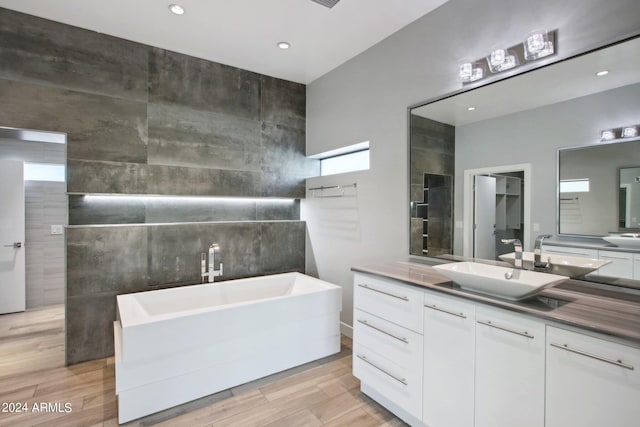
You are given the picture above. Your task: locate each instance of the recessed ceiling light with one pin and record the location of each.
(284, 45)
(176, 9)
(471, 108)
(602, 73)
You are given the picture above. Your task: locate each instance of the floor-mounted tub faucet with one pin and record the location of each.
(517, 246)
(537, 252)
(214, 251)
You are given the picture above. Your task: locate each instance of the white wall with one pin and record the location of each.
(367, 98)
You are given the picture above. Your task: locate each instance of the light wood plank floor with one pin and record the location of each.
(32, 372)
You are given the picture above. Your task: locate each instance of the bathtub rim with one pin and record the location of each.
(129, 300)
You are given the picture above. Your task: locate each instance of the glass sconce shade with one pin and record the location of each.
(607, 135)
(469, 72)
(501, 60)
(537, 45)
(629, 132)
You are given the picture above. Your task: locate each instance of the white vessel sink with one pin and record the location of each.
(559, 264)
(627, 240)
(493, 280)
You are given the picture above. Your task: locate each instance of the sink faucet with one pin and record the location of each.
(537, 252)
(517, 246)
(214, 251)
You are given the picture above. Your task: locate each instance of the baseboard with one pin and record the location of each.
(346, 330)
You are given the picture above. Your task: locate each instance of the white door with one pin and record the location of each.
(484, 217)
(12, 270)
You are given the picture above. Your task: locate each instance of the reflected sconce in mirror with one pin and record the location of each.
(624, 132)
(537, 45)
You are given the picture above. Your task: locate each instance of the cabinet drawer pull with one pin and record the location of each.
(403, 298)
(453, 313)
(488, 323)
(364, 322)
(400, 380)
(593, 356)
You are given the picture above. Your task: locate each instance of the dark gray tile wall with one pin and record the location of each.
(143, 120)
(106, 261)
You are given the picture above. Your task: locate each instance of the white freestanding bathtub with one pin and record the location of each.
(179, 344)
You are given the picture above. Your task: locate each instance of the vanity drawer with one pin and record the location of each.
(401, 385)
(392, 301)
(394, 342)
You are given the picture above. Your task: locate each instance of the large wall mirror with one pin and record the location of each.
(518, 141)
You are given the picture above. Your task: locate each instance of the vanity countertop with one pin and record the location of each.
(596, 307)
(587, 243)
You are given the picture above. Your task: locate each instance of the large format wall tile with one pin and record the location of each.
(106, 259)
(106, 177)
(39, 51)
(283, 102)
(283, 149)
(181, 136)
(175, 78)
(282, 247)
(97, 127)
(175, 180)
(89, 327)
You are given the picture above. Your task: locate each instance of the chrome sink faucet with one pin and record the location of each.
(537, 252)
(214, 251)
(517, 246)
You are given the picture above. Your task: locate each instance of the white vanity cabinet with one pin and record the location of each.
(509, 369)
(591, 382)
(387, 341)
(449, 358)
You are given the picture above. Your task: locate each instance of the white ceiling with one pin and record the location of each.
(244, 33)
(556, 83)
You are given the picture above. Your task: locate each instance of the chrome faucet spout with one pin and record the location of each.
(537, 251)
(517, 246)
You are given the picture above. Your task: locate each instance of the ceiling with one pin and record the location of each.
(549, 85)
(244, 33)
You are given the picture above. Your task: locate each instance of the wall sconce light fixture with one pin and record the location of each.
(537, 45)
(619, 133)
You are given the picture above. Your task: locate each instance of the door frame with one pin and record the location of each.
(468, 206)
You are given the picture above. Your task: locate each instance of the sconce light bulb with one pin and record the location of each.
(497, 57)
(608, 135)
(629, 132)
